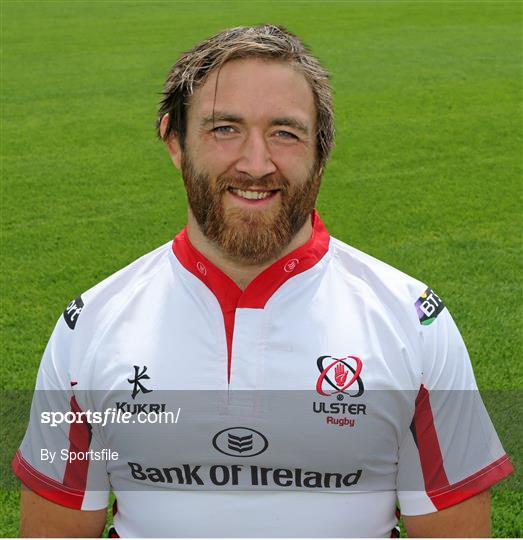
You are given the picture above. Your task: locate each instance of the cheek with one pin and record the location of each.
(296, 169)
(217, 157)
(295, 157)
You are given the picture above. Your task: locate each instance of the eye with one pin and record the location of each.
(282, 134)
(223, 130)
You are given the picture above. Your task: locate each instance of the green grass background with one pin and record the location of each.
(426, 174)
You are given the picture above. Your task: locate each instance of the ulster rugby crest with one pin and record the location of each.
(340, 376)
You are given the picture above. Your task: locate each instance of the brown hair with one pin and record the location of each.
(263, 41)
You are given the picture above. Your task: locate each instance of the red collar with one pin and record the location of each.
(261, 288)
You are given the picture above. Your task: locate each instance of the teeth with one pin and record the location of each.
(252, 195)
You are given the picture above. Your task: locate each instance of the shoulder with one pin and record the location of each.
(391, 286)
(87, 317)
(413, 311)
(116, 289)
(390, 295)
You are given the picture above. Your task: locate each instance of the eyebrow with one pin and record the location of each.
(291, 122)
(228, 117)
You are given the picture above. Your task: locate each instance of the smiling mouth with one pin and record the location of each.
(253, 195)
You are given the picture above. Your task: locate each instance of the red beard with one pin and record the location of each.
(251, 237)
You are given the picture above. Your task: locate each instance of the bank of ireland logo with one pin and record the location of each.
(340, 376)
(137, 385)
(240, 441)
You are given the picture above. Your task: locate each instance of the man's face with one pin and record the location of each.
(249, 159)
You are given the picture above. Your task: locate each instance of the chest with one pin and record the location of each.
(315, 398)
(185, 341)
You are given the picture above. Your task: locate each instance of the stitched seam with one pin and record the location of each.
(462, 483)
(44, 479)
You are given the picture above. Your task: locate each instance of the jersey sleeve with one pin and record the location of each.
(451, 451)
(61, 459)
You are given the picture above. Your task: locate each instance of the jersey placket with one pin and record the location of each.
(243, 311)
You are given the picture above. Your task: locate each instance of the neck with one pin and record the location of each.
(240, 272)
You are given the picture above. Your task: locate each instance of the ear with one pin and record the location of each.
(172, 143)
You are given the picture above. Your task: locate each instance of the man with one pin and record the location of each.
(324, 385)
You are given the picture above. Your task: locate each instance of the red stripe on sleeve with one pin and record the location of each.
(44, 486)
(434, 475)
(440, 491)
(473, 485)
(75, 475)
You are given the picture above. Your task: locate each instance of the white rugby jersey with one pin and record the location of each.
(309, 404)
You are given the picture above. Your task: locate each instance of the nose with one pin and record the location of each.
(255, 158)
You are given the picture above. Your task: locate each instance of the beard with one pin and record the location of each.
(249, 236)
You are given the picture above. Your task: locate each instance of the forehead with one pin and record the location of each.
(255, 89)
